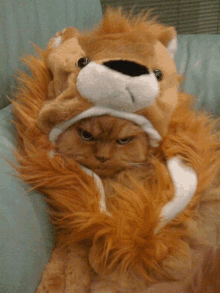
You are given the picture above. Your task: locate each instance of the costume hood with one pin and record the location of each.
(120, 83)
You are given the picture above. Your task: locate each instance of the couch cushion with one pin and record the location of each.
(26, 235)
(36, 21)
(198, 59)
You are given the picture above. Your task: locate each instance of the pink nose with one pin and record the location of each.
(102, 159)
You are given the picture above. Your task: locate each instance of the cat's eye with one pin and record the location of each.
(158, 74)
(125, 140)
(85, 135)
(82, 62)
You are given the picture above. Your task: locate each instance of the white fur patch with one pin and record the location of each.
(57, 41)
(98, 181)
(185, 182)
(172, 48)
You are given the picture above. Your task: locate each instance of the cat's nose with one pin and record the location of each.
(102, 159)
(127, 67)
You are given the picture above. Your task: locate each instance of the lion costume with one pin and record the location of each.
(152, 234)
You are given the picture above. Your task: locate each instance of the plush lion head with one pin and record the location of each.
(124, 64)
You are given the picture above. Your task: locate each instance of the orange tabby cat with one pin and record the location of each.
(108, 146)
(114, 149)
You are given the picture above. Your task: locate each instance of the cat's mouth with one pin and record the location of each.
(104, 171)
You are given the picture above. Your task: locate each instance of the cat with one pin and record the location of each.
(109, 146)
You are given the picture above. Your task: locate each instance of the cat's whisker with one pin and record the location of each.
(136, 164)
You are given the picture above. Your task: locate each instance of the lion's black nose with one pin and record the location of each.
(127, 67)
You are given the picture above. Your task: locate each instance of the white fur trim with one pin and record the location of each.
(185, 183)
(99, 111)
(102, 202)
(172, 47)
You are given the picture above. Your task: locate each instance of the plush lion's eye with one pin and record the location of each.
(125, 140)
(85, 135)
(158, 74)
(82, 62)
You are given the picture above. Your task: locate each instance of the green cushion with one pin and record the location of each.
(198, 59)
(36, 21)
(26, 234)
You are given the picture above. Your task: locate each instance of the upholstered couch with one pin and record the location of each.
(26, 236)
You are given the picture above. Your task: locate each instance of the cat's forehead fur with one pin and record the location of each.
(108, 127)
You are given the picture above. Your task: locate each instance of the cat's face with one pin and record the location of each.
(106, 145)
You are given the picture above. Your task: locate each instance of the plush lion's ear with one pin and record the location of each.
(166, 35)
(63, 102)
(169, 40)
(60, 37)
(160, 111)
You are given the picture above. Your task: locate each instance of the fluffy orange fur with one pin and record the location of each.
(126, 241)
